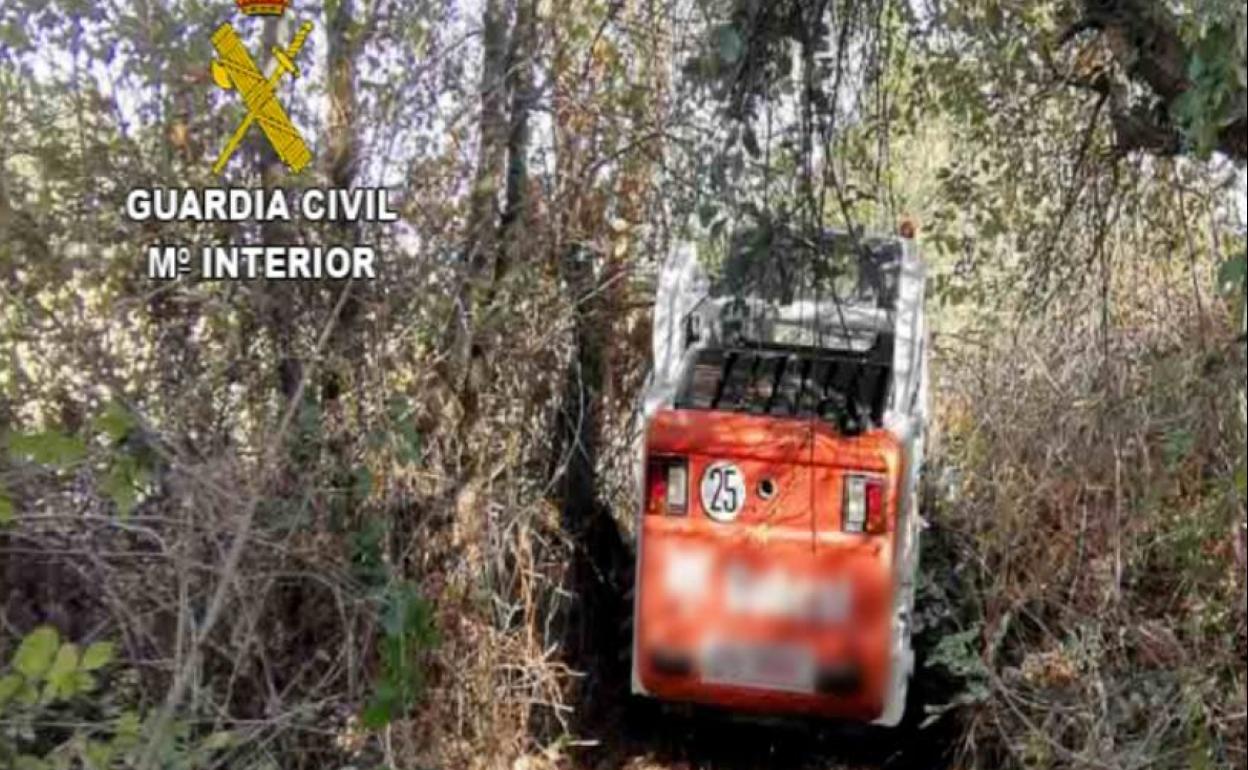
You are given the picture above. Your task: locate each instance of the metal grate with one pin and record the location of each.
(846, 388)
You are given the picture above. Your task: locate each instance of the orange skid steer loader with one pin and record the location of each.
(778, 532)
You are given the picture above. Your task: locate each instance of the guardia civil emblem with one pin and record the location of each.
(234, 69)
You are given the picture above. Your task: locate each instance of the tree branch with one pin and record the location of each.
(1144, 38)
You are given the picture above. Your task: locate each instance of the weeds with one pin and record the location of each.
(1100, 512)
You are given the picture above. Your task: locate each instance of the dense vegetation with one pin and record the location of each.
(333, 524)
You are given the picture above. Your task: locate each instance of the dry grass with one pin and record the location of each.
(291, 659)
(1104, 532)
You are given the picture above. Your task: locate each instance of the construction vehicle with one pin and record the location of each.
(778, 526)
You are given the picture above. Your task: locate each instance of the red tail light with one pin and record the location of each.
(667, 486)
(863, 508)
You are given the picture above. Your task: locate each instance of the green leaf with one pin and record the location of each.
(61, 680)
(1231, 275)
(115, 422)
(34, 656)
(381, 709)
(122, 485)
(6, 508)
(66, 662)
(48, 448)
(82, 683)
(127, 731)
(98, 755)
(10, 686)
(98, 656)
(1241, 482)
(407, 614)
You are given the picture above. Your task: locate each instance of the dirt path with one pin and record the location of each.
(646, 736)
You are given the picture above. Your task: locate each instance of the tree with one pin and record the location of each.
(1191, 73)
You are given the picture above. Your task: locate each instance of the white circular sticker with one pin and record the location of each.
(723, 491)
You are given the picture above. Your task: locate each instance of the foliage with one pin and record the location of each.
(1231, 274)
(1107, 557)
(48, 448)
(6, 508)
(960, 655)
(49, 683)
(1210, 106)
(409, 633)
(125, 464)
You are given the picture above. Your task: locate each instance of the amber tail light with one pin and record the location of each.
(667, 486)
(863, 510)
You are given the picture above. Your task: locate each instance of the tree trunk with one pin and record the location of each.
(520, 84)
(342, 168)
(278, 298)
(482, 236)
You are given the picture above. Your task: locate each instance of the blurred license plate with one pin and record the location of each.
(766, 667)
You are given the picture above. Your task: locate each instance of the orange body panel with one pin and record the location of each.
(782, 577)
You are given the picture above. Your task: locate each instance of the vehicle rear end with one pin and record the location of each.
(775, 560)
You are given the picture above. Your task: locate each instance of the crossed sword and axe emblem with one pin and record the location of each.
(235, 69)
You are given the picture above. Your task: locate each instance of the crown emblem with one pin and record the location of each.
(262, 7)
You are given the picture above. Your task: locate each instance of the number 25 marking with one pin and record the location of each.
(724, 499)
